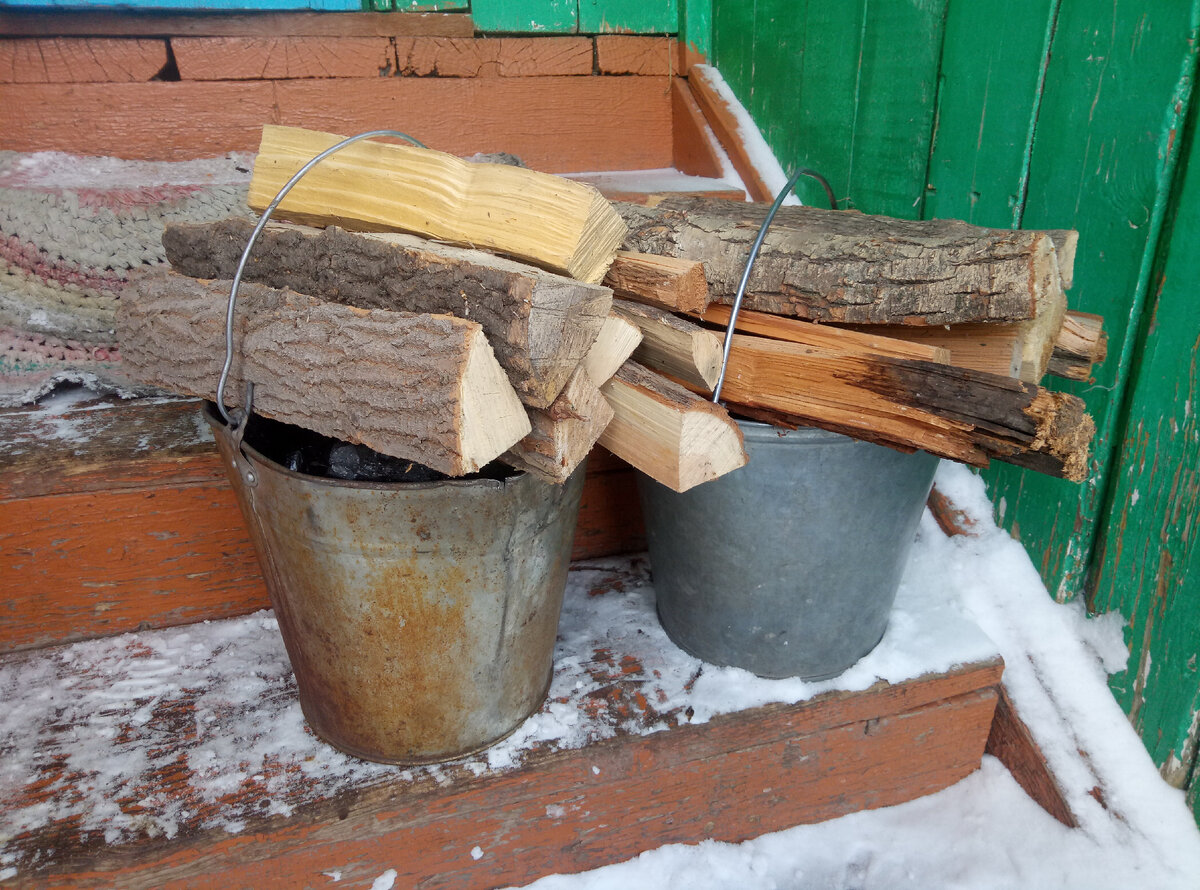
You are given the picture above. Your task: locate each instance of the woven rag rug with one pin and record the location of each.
(72, 231)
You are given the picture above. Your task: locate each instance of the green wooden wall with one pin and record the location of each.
(1039, 113)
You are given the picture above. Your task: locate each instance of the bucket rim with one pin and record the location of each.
(765, 432)
(215, 420)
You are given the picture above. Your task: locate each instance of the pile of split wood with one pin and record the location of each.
(544, 337)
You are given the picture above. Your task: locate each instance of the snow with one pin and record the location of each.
(96, 709)
(984, 832)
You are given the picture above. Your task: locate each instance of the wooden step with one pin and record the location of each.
(117, 516)
(178, 758)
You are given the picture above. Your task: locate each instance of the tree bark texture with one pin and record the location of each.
(420, 387)
(539, 324)
(844, 266)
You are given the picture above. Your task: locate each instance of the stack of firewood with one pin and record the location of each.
(932, 335)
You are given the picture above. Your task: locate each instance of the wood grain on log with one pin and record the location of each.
(564, 433)
(670, 434)
(422, 387)
(667, 282)
(540, 325)
(956, 413)
(615, 343)
(844, 266)
(674, 346)
(1081, 344)
(376, 186)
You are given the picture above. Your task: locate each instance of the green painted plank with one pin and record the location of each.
(526, 16)
(987, 99)
(1149, 552)
(1102, 162)
(628, 17)
(695, 25)
(846, 88)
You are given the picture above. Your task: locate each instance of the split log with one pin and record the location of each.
(678, 348)
(869, 339)
(1081, 344)
(1066, 243)
(540, 324)
(668, 282)
(421, 387)
(564, 433)
(992, 348)
(828, 265)
(677, 438)
(616, 342)
(951, 412)
(375, 186)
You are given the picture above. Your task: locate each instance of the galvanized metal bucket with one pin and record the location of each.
(788, 566)
(420, 618)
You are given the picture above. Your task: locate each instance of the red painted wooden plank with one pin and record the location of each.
(80, 60)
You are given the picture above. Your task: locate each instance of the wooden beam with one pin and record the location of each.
(140, 23)
(671, 435)
(375, 186)
(724, 122)
(695, 149)
(421, 387)
(669, 282)
(1081, 344)
(564, 433)
(842, 266)
(540, 325)
(83, 60)
(952, 412)
(672, 346)
(635, 54)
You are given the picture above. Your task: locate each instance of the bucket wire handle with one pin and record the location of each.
(758, 242)
(240, 418)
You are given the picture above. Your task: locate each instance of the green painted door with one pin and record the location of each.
(1038, 114)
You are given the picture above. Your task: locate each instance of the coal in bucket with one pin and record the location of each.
(790, 565)
(419, 617)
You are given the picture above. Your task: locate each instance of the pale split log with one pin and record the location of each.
(421, 387)
(872, 339)
(375, 186)
(994, 348)
(672, 435)
(669, 282)
(845, 266)
(540, 324)
(951, 412)
(681, 349)
(616, 342)
(1081, 344)
(563, 434)
(1066, 243)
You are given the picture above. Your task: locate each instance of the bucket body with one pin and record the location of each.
(420, 618)
(789, 566)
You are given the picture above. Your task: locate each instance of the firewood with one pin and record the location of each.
(678, 348)
(421, 387)
(872, 339)
(1081, 343)
(564, 433)
(952, 412)
(617, 340)
(675, 437)
(547, 220)
(994, 348)
(540, 324)
(844, 266)
(667, 282)
(1066, 242)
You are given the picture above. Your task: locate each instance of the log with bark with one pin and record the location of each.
(421, 387)
(547, 220)
(952, 412)
(564, 433)
(678, 348)
(666, 282)
(844, 266)
(540, 324)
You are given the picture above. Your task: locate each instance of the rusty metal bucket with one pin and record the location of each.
(420, 618)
